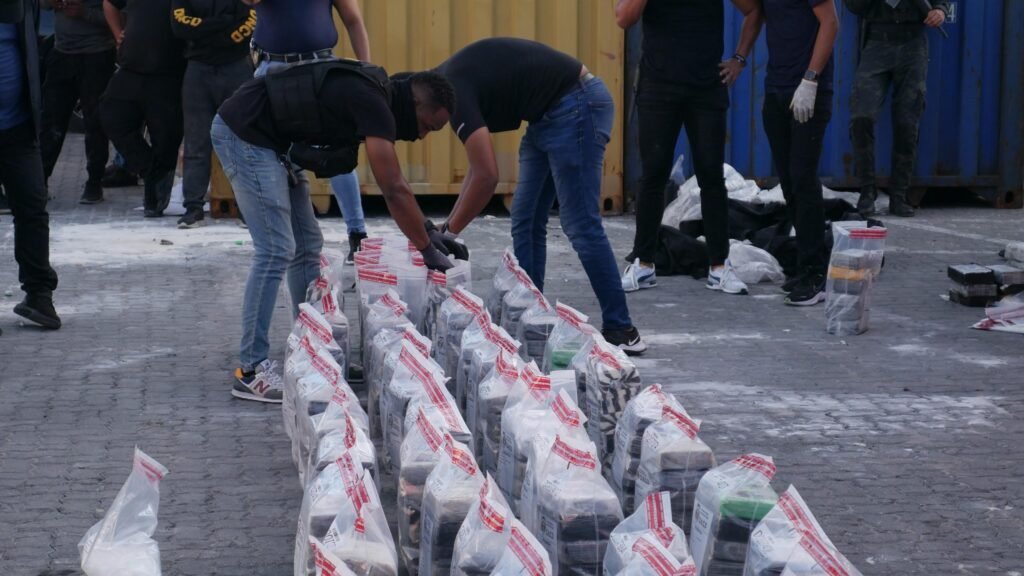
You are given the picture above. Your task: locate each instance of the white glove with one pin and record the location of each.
(803, 101)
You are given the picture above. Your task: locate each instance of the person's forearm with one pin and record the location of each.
(406, 213)
(827, 32)
(628, 12)
(476, 194)
(359, 39)
(113, 18)
(751, 29)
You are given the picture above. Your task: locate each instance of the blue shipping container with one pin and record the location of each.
(972, 133)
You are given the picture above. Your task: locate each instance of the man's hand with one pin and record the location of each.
(803, 101)
(434, 259)
(445, 242)
(936, 18)
(729, 71)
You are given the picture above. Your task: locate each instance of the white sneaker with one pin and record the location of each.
(726, 281)
(637, 277)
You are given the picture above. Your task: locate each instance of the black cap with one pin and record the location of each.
(12, 11)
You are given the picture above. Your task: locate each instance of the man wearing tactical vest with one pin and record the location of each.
(293, 31)
(570, 113)
(315, 116)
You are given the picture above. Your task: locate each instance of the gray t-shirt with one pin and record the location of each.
(87, 34)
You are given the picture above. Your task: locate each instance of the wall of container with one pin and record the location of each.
(972, 133)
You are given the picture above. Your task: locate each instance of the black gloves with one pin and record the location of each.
(445, 242)
(434, 259)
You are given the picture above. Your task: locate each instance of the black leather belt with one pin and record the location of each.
(292, 58)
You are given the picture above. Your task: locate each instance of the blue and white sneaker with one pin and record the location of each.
(637, 277)
(725, 280)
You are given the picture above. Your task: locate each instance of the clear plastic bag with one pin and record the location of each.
(814, 557)
(412, 289)
(421, 450)
(730, 501)
(451, 490)
(363, 542)
(641, 412)
(122, 543)
(524, 555)
(535, 326)
(333, 498)
(504, 280)
(437, 293)
(384, 350)
(480, 363)
(456, 313)
(336, 442)
(332, 266)
(651, 521)
(328, 299)
(327, 564)
(483, 536)
(754, 265)
(685, 207)
(778, 535)
(481, 341)
(856, 262)
(576, 509)
(673, 458)
(491, 397)
(650, 558)
(612, 381)
(526, 407)
(298, 365)
(389, 311)
(517, 300)
(372, 282)
(567, 337)
(314, 392)
(414, 375)
(312, 322)
(561, 419)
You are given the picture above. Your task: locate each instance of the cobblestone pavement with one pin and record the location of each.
(904, 440)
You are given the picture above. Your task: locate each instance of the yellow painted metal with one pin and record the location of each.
(420, 34)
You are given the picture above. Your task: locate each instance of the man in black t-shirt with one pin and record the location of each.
(253, 141)
(145, 92)
(684, 83)
(502, 82)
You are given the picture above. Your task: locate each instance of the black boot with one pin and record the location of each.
(355, 241)
(866, 202)
(92, 193)
(38, 308)
(898, 205)
(157, 193)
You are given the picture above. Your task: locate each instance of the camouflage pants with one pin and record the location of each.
(903, 66)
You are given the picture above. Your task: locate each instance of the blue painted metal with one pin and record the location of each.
(972, 132)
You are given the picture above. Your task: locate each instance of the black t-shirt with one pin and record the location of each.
(683, 41)
(350, 106)
(792, 29)
(500, 82)
(149, 45)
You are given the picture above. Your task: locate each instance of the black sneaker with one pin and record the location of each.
(152, 213)
(193, 218)
(38, 308)
(355, 242)
(91, 194)
(808, 292)
(261, 385)
(116, 177)
(628, 339)
(790, 284)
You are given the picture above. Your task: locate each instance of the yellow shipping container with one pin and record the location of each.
(420, 34)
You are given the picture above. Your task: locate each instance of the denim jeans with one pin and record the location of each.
(561, 156)
(284, 230)
(204, 89)
(344, 186)
(346, 190)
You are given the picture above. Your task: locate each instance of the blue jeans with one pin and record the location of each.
(561, 156)
(344, 186)
(284, 230)
(346, 190)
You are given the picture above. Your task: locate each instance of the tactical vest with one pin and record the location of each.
(295, 109)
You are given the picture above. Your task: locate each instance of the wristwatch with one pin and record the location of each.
(811, 76)
(739, 58)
